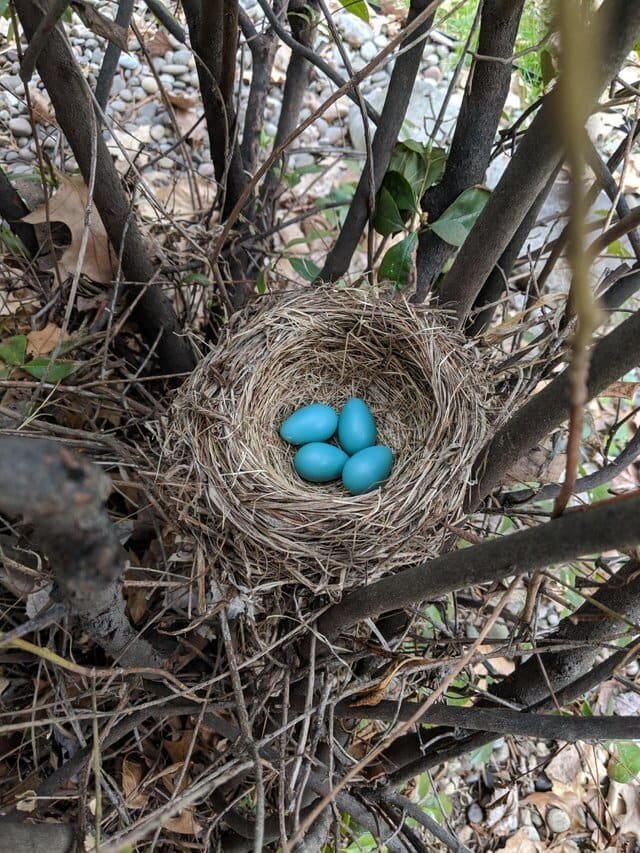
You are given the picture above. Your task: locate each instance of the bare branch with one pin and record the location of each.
(476, 127)
(536, 157)
(610, 524)
(393, 114)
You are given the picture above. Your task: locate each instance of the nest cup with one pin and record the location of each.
(231, 476)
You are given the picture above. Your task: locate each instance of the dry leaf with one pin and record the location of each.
(623, 390)
(159, 43)
(40, 109)
(131, 778)
(136, 604)
(521, 843)
(181, 102)
(178, 749)
(68, 206)
(45, 340)
(183, 824)
(177, 200)
(375, 694)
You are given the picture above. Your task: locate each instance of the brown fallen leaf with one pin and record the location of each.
(374, 695)
(184, 824)
(40, 109)
(131, 778)
(623, 390)
(181, 102)
(159, 43)
(68, 206)
(44, 341)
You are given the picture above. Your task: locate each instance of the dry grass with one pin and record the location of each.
(228, 478)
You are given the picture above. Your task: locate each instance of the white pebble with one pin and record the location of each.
(157, 132)
(20, 127)
(558, 820)
(150, 85)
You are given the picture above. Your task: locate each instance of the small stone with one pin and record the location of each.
(134, 81)
(50, 142)
(182, 57)
(11, 156)
(150, 85)
(96, 56)
(27, 155)
(157, 132)
(125, 95)
(431, 59)
(368, 51)
(334, 135)
(475, 813)
(542, 782)
(175, 70)
(270, 129)
(147, 112)
(158, 62)
(433, 73)
(130, 63)
(354, 31)
(205, 170)
(165, 163)
(167, 78)
(442, 51)
(20, 127)
(138, 93)
(472, 632)
(552, 617)
(498, 631)
(118, 105)
(633, 667)
(118, 86)
(558, 820)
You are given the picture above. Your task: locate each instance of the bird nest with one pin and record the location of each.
(231, 477)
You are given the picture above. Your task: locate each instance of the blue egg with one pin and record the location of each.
(319, 462)
(356, 427)
(367, 469)
(316, 422)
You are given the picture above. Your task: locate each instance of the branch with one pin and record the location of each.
(302, 49)
(568, 674)
(12, 209)
(614, 355)
(72, 101)
(214, 49)
(112, 55)
(533, 163)
(421, 817)
(599, 478)
(610, 524)
(63, 496)
(476, 127)
(31, 838)
(503, 721)
(393, 114)
(263, 50)
(39, 38)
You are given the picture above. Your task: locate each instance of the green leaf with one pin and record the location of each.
(59, 370)
(4, 5)
(261, 283)
(14, 350)
(401, 190)
(196, 278)
(458, 219)
(398, 261)
(388, 219)
(358, 8)
(306, 268)
(479, 757)
(547, 68)
(421, 165)
(624, 764)
(616, 248)
(294, 177)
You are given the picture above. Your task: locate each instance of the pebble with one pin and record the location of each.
(472, 632)
(27, 155)
(20, 127)
(368, 51)
(205, 170)
(11, 156)
(558, 820)
(118, 105)
(475, 813)
(130, 63)
(125, 95)
(433, 73)
(498, 631)
(182, 57)
(633, 667)
(165, 163)
(354, 31)
(175, 70)
(552, 617)
(150, 85)
(157, 132)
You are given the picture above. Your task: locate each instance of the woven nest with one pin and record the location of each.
(231, 476)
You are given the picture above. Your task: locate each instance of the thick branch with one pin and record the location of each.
(63, 496)
(476, 127)
(111, 56)
(614, 355)
(611, 524)
(12, 209)
(214, 45)
(530, 168)
(393, 114)
(568, 673)
(72, 101)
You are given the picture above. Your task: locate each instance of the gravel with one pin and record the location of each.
(558, 820)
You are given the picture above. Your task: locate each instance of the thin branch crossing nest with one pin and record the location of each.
(231, 478)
